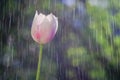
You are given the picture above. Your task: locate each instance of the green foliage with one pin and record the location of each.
(117, 41)
(77, 55)
(114, 6)
(48, 69)
(116, 19)
(102, 31)
(98, 74)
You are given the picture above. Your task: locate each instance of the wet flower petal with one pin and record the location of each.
(44, 27)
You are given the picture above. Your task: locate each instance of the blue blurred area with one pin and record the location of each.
(69, 3)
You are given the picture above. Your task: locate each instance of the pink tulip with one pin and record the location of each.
(44, 27)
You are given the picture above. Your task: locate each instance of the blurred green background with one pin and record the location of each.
(86, 46)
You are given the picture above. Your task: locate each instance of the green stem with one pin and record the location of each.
(39, 64)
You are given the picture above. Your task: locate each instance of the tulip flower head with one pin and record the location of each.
(44, 27)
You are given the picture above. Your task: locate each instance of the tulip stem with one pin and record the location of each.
(39, 63)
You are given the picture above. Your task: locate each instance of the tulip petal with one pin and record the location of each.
(33, 28)
(40, 18)
(54, 24)
(44, 27)
(54, 20)
(35, 18)
(50, 17)
(44, 30)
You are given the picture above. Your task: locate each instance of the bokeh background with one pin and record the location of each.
(86, 46)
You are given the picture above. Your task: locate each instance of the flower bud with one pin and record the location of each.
(44, 27)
